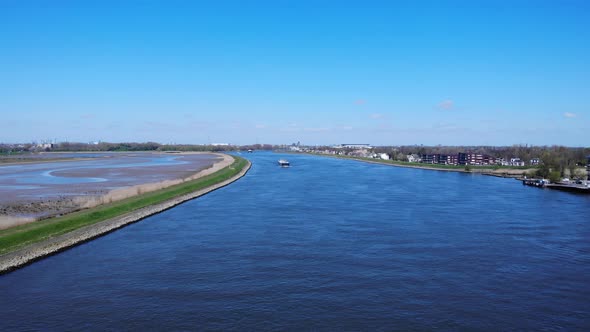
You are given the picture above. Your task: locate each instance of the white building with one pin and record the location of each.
(45, 146)
(516, 162)
(535, 161)
(414, 158)
(383, 156)
(354, 146)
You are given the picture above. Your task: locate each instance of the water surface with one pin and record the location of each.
(328, 245)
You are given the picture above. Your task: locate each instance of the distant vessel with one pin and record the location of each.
(284, 163)
(249, 150)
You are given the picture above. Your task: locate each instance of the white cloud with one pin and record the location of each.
(360, 102)
(376, 116)
(569, 115)
(446, 105)
(260, 126)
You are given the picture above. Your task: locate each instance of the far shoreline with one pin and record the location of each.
(500, 172)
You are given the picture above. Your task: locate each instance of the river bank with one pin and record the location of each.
(499, 172)
(29, 245)
(41, 189)
(328, 245)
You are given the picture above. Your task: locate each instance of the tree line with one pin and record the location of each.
(128, 146)
(562, 159)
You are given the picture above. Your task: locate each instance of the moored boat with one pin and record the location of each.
(284, 163)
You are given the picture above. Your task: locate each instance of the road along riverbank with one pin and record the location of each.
(27, 243)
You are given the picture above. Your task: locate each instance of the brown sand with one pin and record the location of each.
(16, 211)
(122, 193)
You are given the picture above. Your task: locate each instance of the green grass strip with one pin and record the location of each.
(17, 237)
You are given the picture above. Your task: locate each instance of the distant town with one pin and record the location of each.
(556, 162)
(460, 158)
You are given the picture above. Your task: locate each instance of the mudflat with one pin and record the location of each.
(41, 188)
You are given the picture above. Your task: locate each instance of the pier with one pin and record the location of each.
(542, 183)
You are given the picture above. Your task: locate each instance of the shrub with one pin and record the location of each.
(555, 176)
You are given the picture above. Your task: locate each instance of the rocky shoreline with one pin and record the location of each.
(51, 246)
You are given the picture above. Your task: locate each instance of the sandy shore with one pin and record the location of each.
(29, 254)
(20, 206)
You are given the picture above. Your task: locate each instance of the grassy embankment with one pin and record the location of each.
(17, 237)
(431, 166)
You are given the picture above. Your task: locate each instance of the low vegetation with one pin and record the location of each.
(19, 236)
(566, 160)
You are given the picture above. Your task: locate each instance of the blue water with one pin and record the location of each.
(326, 245)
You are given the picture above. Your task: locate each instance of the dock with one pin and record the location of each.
(542, 183)
(570, 188)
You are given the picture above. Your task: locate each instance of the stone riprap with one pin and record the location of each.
(50, 246)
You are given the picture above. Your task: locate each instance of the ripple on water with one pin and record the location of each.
(327, 244)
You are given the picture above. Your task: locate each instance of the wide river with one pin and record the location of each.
(327, 244)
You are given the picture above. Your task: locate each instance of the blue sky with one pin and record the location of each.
(319, 72)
